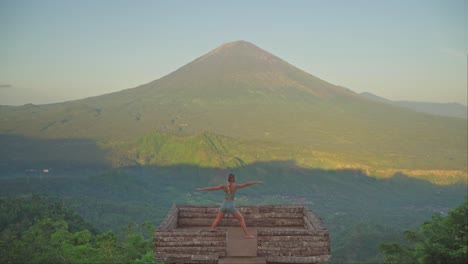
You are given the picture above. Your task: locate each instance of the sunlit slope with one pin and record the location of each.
(243, 92)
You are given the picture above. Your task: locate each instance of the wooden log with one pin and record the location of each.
(205, 258)
(261, 222)
(259, 215)
(192, 233)
(173, 257)
(170, 221)
(193, 209)
(192, 243)
(187, 239)
(314, 252)
(289, 232)
(187, 250)
(273, 250)
(314, 220)
(288, 208)
(286, 244)
(296, 252)
(266, 209)
(212, 215)
(295, 259)
(189, 258)
(281, 251)
(191, 214)
(288, 222)
(295, 215)
(248, 209)
(186, 222)
(294, 206)
(308, 224)
(262, 238)
(185, 218)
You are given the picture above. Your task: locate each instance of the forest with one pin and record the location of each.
(40, 230)
(94, 213)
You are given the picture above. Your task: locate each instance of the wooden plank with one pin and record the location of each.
(271, 222)
(196, 233)
(212, 243)
(289, 232)
(170, 221)
(314, 220)
(292, 238)
(294, 259)
(187, 250)
(192, 214)
(212, 215)
(184, 222)
(192, 209)
(187, 239)
(286, 244)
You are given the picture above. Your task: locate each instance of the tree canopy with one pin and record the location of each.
(38, 230)
(440, 240)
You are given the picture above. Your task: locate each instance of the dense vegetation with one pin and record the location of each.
(67, 156)
(360, 211)
(38, 230)
(440, 240)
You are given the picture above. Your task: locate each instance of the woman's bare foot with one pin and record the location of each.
(249, 237)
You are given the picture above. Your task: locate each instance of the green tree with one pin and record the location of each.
(43, 231)
(110, 248)
(137, 247)
(440, 240)
(35, 244)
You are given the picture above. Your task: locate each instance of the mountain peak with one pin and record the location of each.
(239, 49)
(240, 67)
(237, 43)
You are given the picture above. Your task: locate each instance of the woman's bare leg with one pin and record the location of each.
(239, 217)
(218, 218)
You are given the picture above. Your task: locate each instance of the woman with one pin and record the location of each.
(228, 205)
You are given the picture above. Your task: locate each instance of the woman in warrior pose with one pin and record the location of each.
(228, 205)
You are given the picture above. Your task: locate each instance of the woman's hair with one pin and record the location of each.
(231, 177)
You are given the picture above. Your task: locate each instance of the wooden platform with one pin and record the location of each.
(283, 234)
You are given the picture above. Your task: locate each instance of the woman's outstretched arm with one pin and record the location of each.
(247, 184)
(213, 188)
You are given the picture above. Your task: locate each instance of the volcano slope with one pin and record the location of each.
(251, 99)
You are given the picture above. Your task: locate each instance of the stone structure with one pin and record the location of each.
(285, 234)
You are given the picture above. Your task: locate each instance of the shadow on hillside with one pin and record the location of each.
(20, 154)
(329, 191)
(82, 171)
(359, 211)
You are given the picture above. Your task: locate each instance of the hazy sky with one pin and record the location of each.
(52, 51)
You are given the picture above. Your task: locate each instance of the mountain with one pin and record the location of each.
(441, 109)
(376, 98)
(245, 94)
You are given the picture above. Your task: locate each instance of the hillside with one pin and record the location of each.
(244, 93)
(441, 109)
